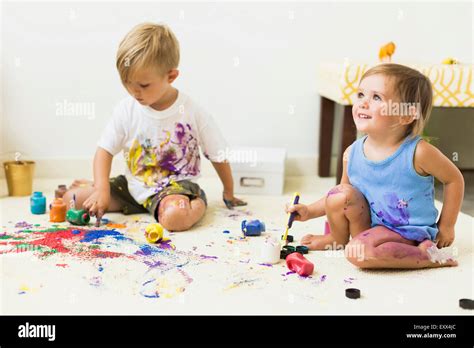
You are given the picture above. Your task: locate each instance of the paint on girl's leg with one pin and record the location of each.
(334, 191)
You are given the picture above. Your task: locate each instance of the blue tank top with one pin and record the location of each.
(399, 198)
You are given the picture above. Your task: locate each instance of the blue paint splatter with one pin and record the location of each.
(147, 250)
(226, 231)
(208, 257)
(94, 235)
(266, 264)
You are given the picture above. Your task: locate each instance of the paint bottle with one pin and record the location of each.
(270, 251)
(38, 203)
(154, 233)
(78, 217)
(57, 210)
(327, 229)
(60, 191)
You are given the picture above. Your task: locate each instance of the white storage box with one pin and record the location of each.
(258, 170)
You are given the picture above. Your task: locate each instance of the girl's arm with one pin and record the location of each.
(430, 161)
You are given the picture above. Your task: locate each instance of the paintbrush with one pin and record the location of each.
(291, 218)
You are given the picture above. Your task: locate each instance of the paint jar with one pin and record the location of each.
(60, 191)
(327, 229)
(19, 176)
(57, 210)
(270, 251)
(78, 217)
(38, 203)
(154, 233)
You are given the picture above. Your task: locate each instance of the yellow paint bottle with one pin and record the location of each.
(154, 233)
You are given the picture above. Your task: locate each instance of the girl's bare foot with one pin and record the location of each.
(318, 242)
(81, 183)
(438, 257)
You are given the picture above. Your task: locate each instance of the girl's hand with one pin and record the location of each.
(231, 201)
(97, 204)
(445, 236)
(302, 211)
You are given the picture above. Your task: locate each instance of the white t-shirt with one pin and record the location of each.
(159, 146)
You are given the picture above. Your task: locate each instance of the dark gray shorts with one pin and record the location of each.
(119, 191)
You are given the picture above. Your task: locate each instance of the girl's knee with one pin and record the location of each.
(342, 196)
(339, 196)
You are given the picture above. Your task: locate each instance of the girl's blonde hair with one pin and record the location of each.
(147, 45)
(411, 86)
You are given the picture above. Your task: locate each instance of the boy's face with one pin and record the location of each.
(149, 87)
(371, 110)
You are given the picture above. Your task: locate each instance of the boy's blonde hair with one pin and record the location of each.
(411, 86)
(147, 45)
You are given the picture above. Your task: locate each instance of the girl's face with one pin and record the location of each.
(370, 111)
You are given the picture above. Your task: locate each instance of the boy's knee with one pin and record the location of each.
(175, 219)
(69, 196)
(174, 214)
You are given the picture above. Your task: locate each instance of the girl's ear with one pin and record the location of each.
(413, 115)
(172, 75)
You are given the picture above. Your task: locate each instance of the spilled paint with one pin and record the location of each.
(112, 225)
(88, 245)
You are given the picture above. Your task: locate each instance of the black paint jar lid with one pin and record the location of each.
(353, 293)
(302, 249)
(466, 303)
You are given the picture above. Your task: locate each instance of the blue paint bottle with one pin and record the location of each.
(38, 203)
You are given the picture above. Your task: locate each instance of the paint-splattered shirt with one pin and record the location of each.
(399, 197)
(160, 146)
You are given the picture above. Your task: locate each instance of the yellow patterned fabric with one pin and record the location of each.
(453, 85)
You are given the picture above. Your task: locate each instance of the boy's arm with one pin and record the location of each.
(225, 174)
(430, 161)
(98, 202)
(102, 167)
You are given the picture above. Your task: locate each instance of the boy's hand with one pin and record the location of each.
(445, 236)
(302, 211)
(97, 204)
(231, 201)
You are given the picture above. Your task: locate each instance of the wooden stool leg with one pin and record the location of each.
(326, 125)
(348, 136)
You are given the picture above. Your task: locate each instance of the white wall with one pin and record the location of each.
(249, 64)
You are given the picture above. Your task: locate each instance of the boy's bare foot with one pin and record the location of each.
(438, 257)
(318, 242)
(81, 183)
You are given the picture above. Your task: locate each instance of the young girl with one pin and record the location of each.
(385, 201)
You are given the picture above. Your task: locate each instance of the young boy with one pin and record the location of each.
(159, 129)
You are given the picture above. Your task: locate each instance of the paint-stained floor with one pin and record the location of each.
(62, 269)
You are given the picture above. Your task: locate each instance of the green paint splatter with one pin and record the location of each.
(11, 237)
